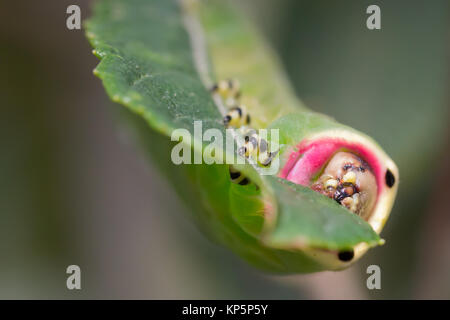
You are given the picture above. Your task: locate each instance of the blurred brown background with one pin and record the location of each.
(75, 189)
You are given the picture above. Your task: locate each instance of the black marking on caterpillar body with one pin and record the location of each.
(390, 179)
(237, 177)
(346, 256)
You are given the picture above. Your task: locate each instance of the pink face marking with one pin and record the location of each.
(312, 155)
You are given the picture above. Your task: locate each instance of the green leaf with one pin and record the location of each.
(149, 64)
(311, 221)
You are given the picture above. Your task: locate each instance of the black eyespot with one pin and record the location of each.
(234, 174)
(244, 182)
(248, 119)
(214, 88)
(346, 255)
(390, 179)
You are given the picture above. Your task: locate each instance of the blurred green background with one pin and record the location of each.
(75, 189)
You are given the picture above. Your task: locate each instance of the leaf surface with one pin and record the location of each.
(148, 66)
